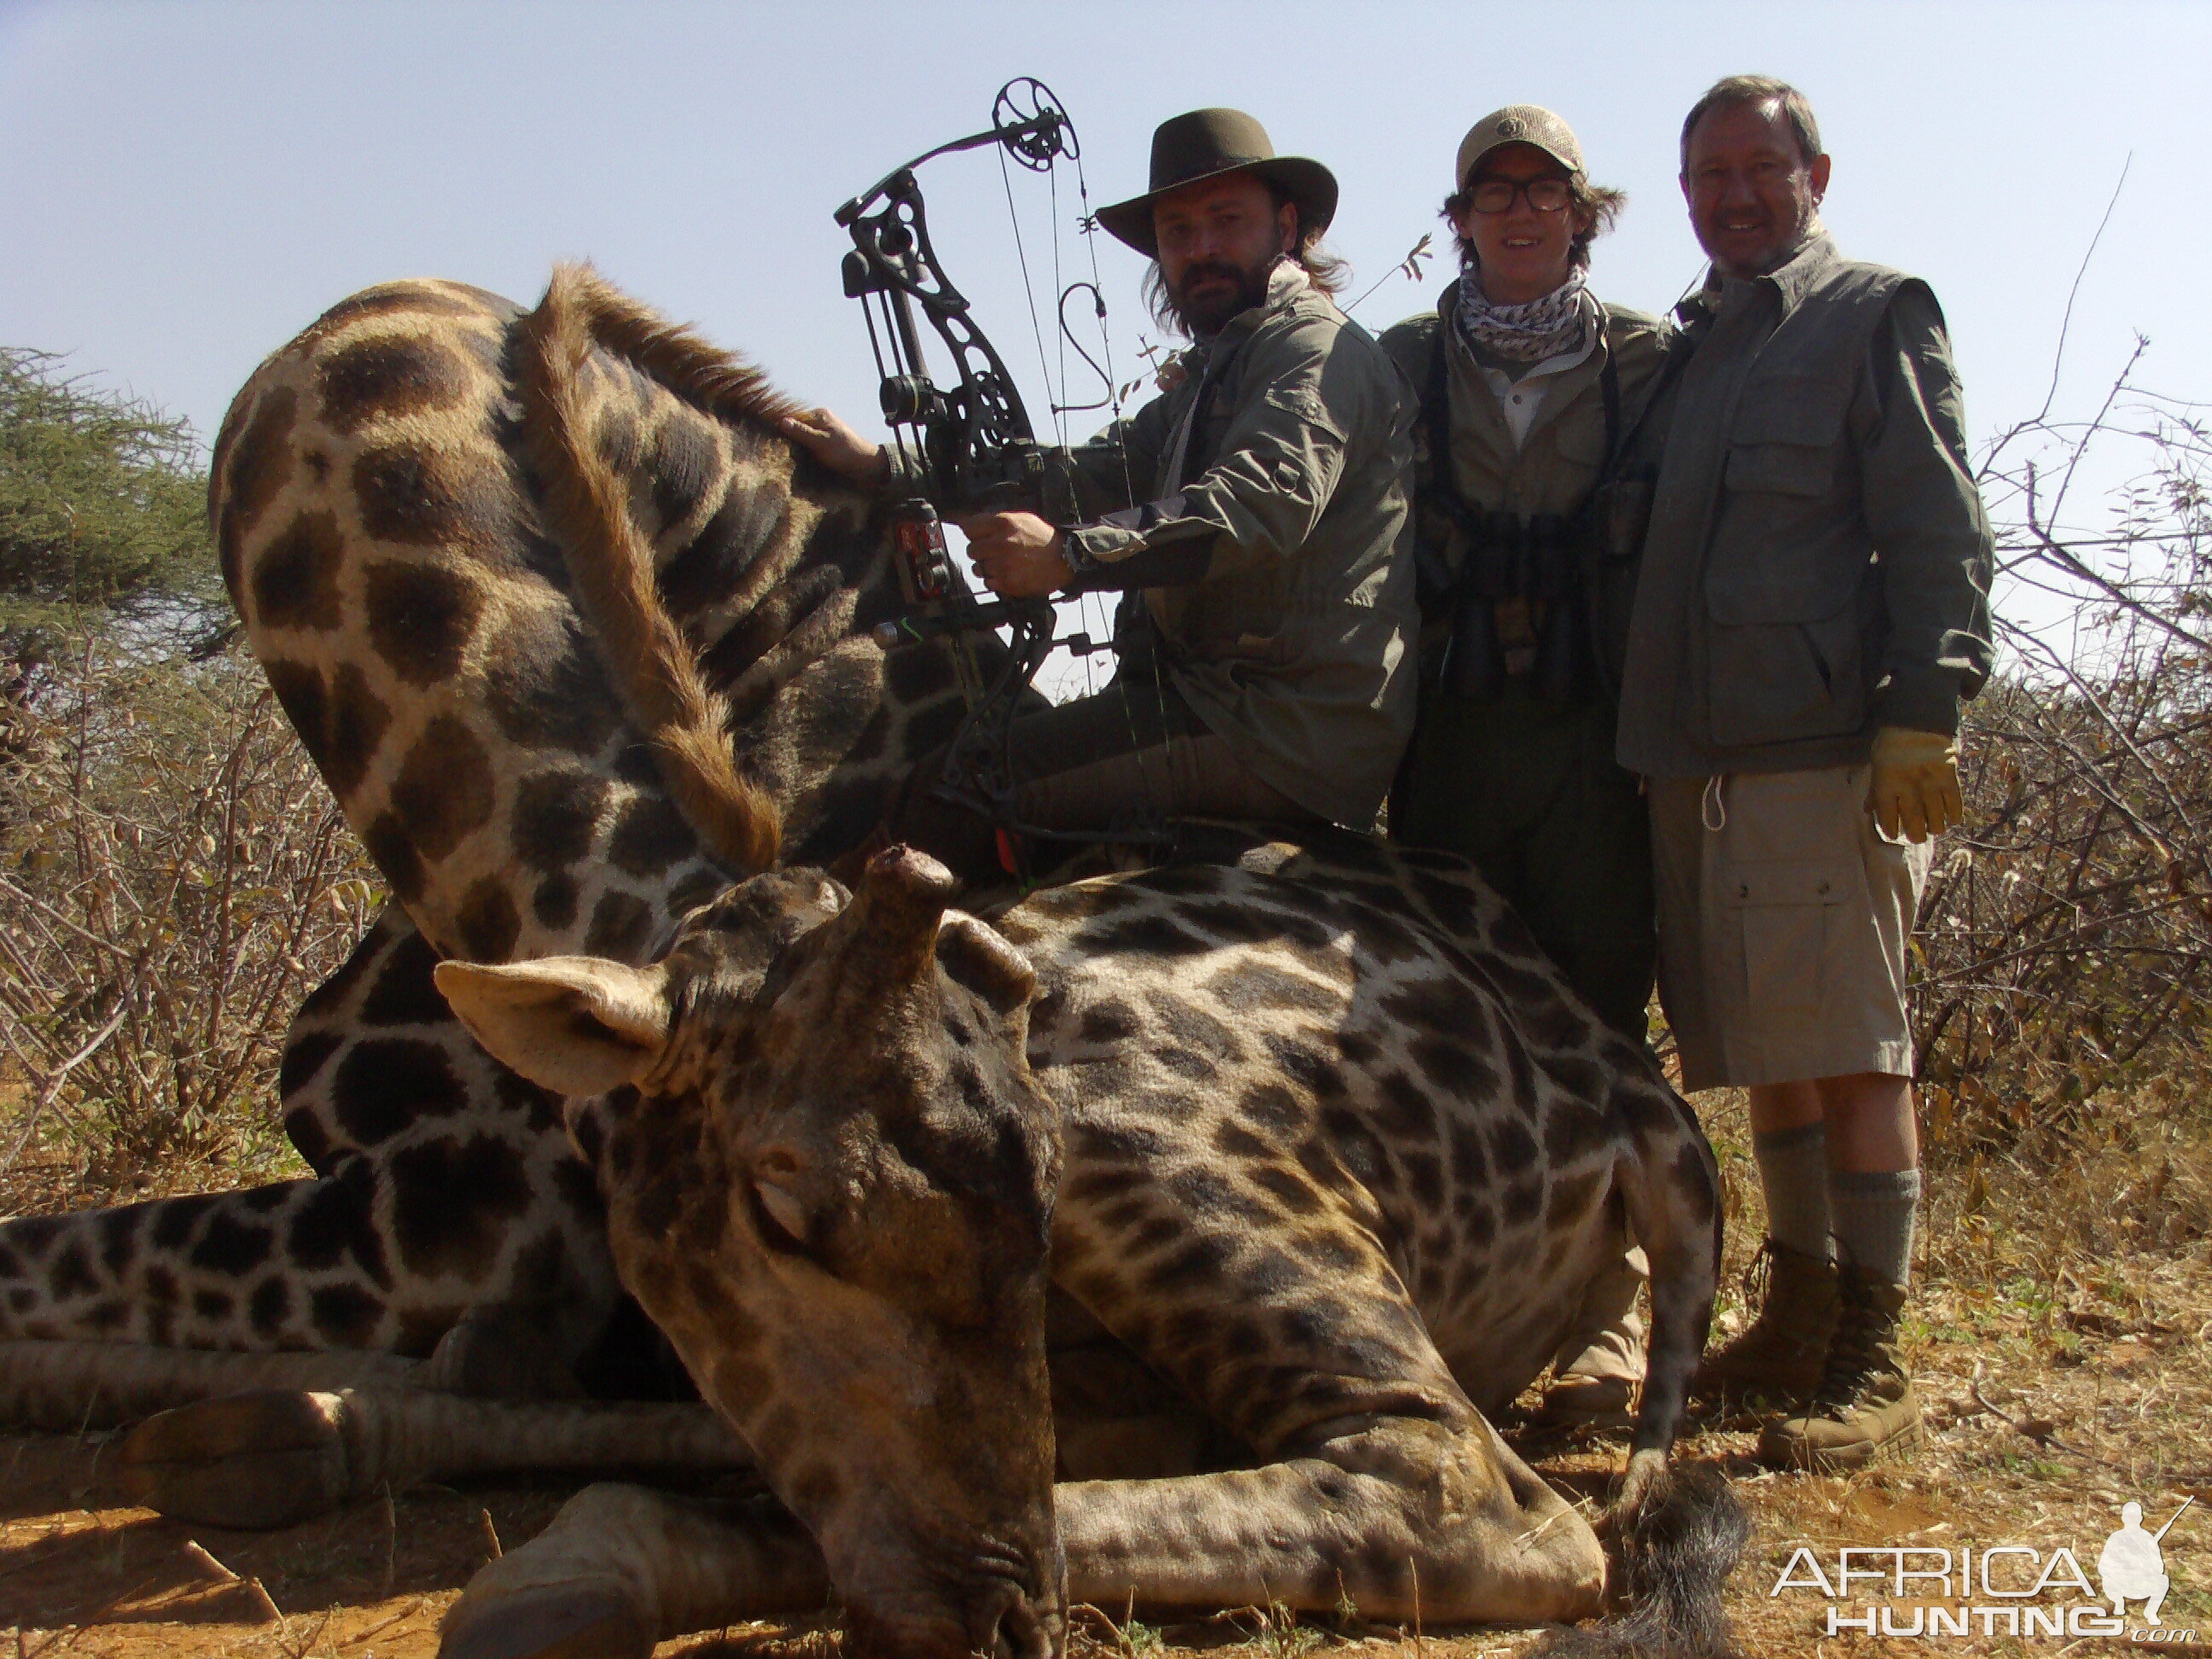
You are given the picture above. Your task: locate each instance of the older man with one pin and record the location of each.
(1811, 612)
(1252, 515)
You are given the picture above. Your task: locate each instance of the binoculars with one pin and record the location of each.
(1532, 559)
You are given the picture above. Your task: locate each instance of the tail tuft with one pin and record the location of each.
(1673, 1557)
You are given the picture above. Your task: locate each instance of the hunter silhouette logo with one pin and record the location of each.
(1995, 1589)
(2132, 1567)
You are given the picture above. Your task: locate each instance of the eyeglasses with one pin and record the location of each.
(1546, 195)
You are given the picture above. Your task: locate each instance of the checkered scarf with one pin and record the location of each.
(1524, 333)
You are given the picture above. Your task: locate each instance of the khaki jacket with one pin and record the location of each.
(1817, 562)
(1554, 468)
(1280, 459)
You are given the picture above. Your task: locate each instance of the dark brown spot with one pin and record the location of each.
(394, 854)
(429, 498)
(389, 377)
(358, 718)
(258, 468)
(71, 1273)
(554, 903)
(230, 1247)
(338, 1220)
(404, 992)
(487, 920)
(384, 1084)
(310, 1137)
(685, 461)
(296, 581)
(650, 836)
(119, 1237)
(444, 789)
(452, 1201)
(544, 685)
(620, 927)
(555, 814)
(421, 617)
(345, 1315)
(305, 702)
(303, 1058)
(269, 1306)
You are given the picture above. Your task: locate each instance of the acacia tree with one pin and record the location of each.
(101, 517)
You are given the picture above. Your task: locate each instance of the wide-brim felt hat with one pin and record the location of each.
(1207, 143)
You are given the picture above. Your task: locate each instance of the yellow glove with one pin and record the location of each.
(1915, 791)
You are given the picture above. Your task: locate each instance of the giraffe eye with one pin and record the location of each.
(785, 1216)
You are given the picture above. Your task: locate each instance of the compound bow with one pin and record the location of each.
(966, 448)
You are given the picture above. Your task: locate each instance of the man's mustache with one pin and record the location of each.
(1195, 274)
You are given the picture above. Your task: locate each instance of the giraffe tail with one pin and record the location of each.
(1671, 1558)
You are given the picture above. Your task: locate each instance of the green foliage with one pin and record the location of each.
(102, 506)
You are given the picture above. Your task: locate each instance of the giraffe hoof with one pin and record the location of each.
(551, 1621)
(272, 1457)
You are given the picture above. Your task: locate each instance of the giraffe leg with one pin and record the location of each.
(622, 1569)
(1411, 1519)
(275, 1457)
(66, 1388)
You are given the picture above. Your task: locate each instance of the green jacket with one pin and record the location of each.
(1260, 507)
(1817, 562)
(1555, 466)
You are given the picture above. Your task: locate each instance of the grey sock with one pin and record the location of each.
(1874, 1220)
(1793, 1173)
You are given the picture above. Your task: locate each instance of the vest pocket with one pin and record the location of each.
(1777, 682)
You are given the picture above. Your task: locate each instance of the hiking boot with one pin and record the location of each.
(1779, 1358)
(1865, 1410)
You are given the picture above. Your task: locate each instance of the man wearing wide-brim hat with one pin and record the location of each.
(1252, 516)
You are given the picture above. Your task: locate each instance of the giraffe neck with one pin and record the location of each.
(388, 545)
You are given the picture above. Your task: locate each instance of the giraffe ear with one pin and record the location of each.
(577, 1026)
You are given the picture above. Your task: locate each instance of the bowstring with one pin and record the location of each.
(1029, 295)
(1089, 223)
(1054, 396)
(1060, 431)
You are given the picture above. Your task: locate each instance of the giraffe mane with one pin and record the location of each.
(609, 559)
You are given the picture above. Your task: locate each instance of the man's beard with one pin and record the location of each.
(1204, 316)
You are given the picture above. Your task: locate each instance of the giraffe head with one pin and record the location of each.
(830, 1176)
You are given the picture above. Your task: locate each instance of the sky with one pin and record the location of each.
(184, 184)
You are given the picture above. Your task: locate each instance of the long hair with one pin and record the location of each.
(1324, 269)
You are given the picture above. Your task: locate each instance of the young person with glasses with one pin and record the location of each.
(1528, 383)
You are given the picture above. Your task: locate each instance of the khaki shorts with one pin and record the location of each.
(1782, 922)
